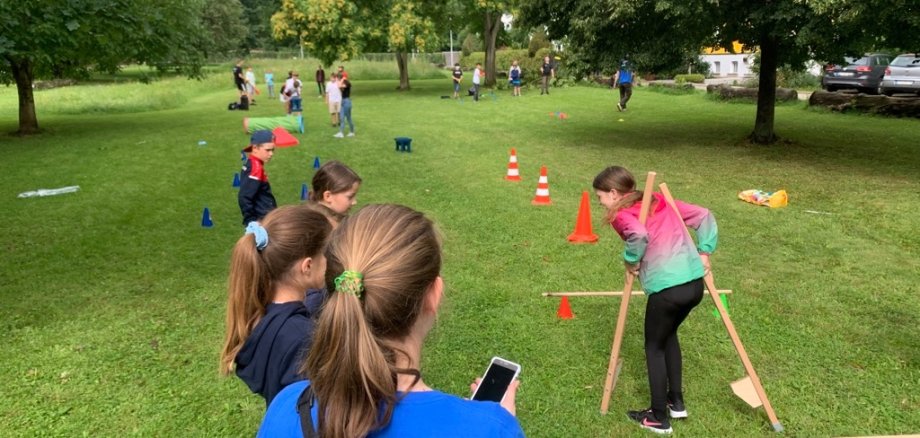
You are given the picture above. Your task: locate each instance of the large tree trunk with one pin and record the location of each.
(22, 73)
(766, 95)
(490, 34)
(402, 60)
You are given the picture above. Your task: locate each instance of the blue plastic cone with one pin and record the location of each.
(236, 179)
(206, 218)
(316, 163)
(304, 193)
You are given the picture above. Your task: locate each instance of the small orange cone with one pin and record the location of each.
(583, 232)
(564, 312)
(542, 196)
(513, 174)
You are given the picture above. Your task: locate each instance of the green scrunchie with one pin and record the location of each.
(350, 282)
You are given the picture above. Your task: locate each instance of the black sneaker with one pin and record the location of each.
(676, 409)
(647, 420)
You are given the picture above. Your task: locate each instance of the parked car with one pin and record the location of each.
(864, 74)
(902, 75)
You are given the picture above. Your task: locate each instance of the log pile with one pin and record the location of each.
(884, 105)
(727, 92)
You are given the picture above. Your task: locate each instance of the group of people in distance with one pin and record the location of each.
(327, 312)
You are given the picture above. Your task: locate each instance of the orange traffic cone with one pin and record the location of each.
(583, 232)
(513, 174)
(542, 196)
(564, 312)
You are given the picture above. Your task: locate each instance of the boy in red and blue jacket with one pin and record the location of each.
(255, 197)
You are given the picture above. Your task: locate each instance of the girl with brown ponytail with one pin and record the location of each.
(671, 269)
(383, 273)
(268, 326)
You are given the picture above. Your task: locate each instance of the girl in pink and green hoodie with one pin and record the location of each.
(671, 268)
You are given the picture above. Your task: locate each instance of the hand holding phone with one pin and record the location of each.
(498, 384)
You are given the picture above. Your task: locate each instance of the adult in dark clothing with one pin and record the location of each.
(269, 328)
(255, 196)
(623, 78)
(548, 72)
(238, 79)
(321, 81)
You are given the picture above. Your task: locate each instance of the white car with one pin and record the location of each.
(902, 75)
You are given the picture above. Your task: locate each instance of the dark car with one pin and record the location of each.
(903, 75)
(864, 74)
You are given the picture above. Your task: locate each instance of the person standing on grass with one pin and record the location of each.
(342, 74)
(477, 79)
(255, 196)
(334, 99)
(296, 103)
(364, 365)
(238, 79)
(623, 78)
(268, 326)
(671, 269)
(514, 76)
(547, 73)
(321, 81)
(457, 77)
(270, 83)
(251, 85)
(345, 87)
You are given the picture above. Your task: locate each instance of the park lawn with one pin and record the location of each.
(112, 298)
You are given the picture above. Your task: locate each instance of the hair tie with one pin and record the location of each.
(350, 282)
(260, 234)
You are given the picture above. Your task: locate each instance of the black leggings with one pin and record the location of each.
(664, 313)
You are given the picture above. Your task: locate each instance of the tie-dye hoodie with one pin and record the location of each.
(668, 256)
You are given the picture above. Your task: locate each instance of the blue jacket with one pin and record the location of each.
(275, 349)
(255, 197)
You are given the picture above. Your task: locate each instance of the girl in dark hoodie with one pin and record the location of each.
(268, 327)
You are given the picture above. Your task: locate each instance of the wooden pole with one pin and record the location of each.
(748, 367)
(613, 367)
(617, 293)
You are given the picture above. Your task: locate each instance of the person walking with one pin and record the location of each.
(671, 268)
(321, 81)
(547, 73)
(623, 79)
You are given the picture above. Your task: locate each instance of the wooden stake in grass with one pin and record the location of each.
(613, 369)
(748, 367)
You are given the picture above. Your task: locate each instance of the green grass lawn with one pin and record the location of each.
(112, 298)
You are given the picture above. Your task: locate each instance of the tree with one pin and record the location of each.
(257, 15)
(411, 27)
(489, 13)
(226, 26)
(785, 32)
(70, 38)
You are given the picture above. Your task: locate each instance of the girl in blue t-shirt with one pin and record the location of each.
(383, 273)
(268, 326)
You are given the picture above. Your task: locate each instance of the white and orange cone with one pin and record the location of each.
(542, 196)
(513, 174)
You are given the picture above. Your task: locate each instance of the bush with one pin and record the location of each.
(470, 44)
(691, 78)
(539, 40)
(672, 89)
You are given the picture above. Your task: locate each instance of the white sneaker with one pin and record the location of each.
(338, 135)
(350, 134)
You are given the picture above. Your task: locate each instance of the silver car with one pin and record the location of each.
(902, 75)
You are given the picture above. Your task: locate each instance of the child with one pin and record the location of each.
(334, 99)
(268, 327)
(457, 78)
(296, 104)
(514, 76)
(364, 365)
(477, 79)
(251, 85)
(335, 187)
(255, 196)
(270, 83)
(671, 270)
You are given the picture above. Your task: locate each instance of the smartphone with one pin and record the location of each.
(496, 380)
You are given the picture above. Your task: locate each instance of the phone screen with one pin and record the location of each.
(494, 383)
